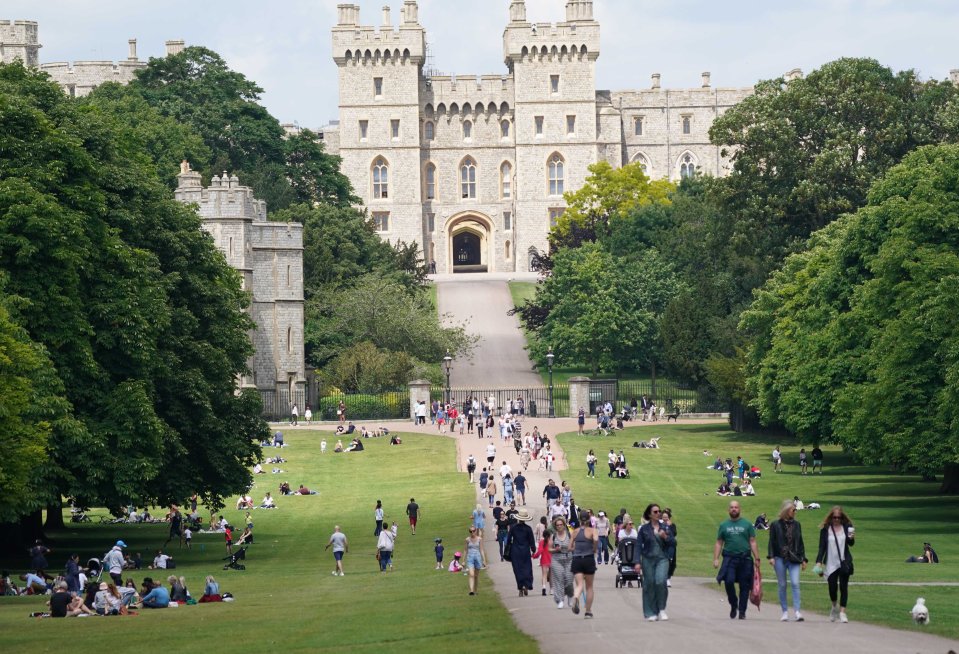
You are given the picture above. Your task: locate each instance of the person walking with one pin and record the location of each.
(340, 545)
(583, 565)
(341, 412)
(479, 519)
(294, 415)
(491, 491)
(413, 512)
(308, 415)
(519, 486)
(384, 548)
(655, 541)
(471, 467)
(591, 465)
(378, 517)
(113, 562)
(521, 545)
(507, 489)
(475, 559)
(777, 459)
(580, 421)
(834, 560)
(816, 459)
(560, 568)
(787, 555)
(736, 541)
(542, 552)
(602, 532)
(669, 525)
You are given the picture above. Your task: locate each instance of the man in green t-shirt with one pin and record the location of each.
(736, 540)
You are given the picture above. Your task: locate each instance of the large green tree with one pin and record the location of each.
(140, 314)
(855, 340)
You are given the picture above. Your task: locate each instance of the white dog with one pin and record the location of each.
(920, 614)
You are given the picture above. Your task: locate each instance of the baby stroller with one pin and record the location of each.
(94, 569)
(627, 556)
(234, 560)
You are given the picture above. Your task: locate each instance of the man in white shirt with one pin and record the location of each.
(556, 509)
(505, 470)
(490, 453)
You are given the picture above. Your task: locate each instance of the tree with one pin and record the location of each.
(855, 340)
(140, 314)
(607, 197)
(604, 312)
(315, 175)
(806, 151)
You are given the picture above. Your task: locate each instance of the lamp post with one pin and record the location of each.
(549, 364)
(448, 361)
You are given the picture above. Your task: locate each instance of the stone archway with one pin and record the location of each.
(470, 239)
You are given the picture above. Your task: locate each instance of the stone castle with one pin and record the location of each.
(473, 168)
(269, 258)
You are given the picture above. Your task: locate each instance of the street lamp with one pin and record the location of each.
(549, 363)
(448, 361)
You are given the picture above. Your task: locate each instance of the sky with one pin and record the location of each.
(284, 45)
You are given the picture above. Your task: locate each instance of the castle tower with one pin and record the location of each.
(554, 70)
(379, 81)
(269, 258)
(19, 39)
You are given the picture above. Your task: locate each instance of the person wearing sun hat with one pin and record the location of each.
(113, 562)
(522, 545)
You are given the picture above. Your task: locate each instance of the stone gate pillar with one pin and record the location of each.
(419, 391)
(578, 395)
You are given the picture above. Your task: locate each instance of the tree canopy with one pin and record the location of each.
(855, 339)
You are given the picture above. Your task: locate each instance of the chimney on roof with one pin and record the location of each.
(133, 50)
(656, 79)
(175, 47)
(386, 16)
(706, 80)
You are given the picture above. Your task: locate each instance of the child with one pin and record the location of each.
(323, 446)
(455, 565)
(439, 552)
(187, 536)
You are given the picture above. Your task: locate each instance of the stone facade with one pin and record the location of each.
(525, 136)
(20, 39)
(269, 257)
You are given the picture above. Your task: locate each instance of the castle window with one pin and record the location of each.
(381, 221)
(507, 220)
(554, 215)
(642, 161)
(231, 246)
(555, 174)
(431, 222)
(289, 275)
(395, 129)
(570, 125)
(504, 129)
(430, 182)
(289, 339)
(506, 180)
(468, 178)
(507, 251)
(638, 126)
(539, 125)
(687, 167)
(554, 84)
(428, 130)
(467, 129)
(364, 128)
(687, 124)
(378, 87)
(381, 179)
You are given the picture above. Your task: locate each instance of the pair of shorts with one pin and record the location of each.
(474, 560)
(583, 565)
(412, 521)
(338, 555)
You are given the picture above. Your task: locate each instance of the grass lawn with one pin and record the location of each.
(893, 513)
(286, 599)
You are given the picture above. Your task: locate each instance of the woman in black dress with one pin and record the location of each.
(522, 546)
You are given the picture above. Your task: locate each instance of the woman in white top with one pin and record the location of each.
(378, 517)
(834, 560)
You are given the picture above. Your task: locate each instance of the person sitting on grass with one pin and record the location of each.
(268, 502)
(395, 440)
(211, 591)
(455, 564)
(246, 538)
(157, 598)
(178, 591)
(107, 600)
(761, 523)
(285, 488)
(724, 490)
(339, 446)
(355, 446)
(303, 490)
(34, 584)
(928, 555)
(64, 605)
(747, 487)
(258, 469)
(160, 561)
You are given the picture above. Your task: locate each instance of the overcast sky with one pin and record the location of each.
(284, 45)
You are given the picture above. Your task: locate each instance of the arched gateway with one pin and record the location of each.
(470, 238)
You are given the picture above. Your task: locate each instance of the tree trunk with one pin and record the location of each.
(950, 479)
(54, 516)
(15, 537)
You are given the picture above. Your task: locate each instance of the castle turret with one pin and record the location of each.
(19, 39)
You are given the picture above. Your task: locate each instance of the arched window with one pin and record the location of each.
(687, 166)
(555, 174)
(428, 130)
(430, 176)
(504, 129)
(381, 179)
(643, 162)
(506, 180)
(467, 129)
(468, 178)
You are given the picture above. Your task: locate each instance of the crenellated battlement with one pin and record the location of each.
(79, 78)
(471, 94)
(357, 44)
(19, 39)
(576, 39)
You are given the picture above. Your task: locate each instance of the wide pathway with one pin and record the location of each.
(499, 359)
(698, 615)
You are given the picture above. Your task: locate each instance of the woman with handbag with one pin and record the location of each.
(787, 555)
(834, 560)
